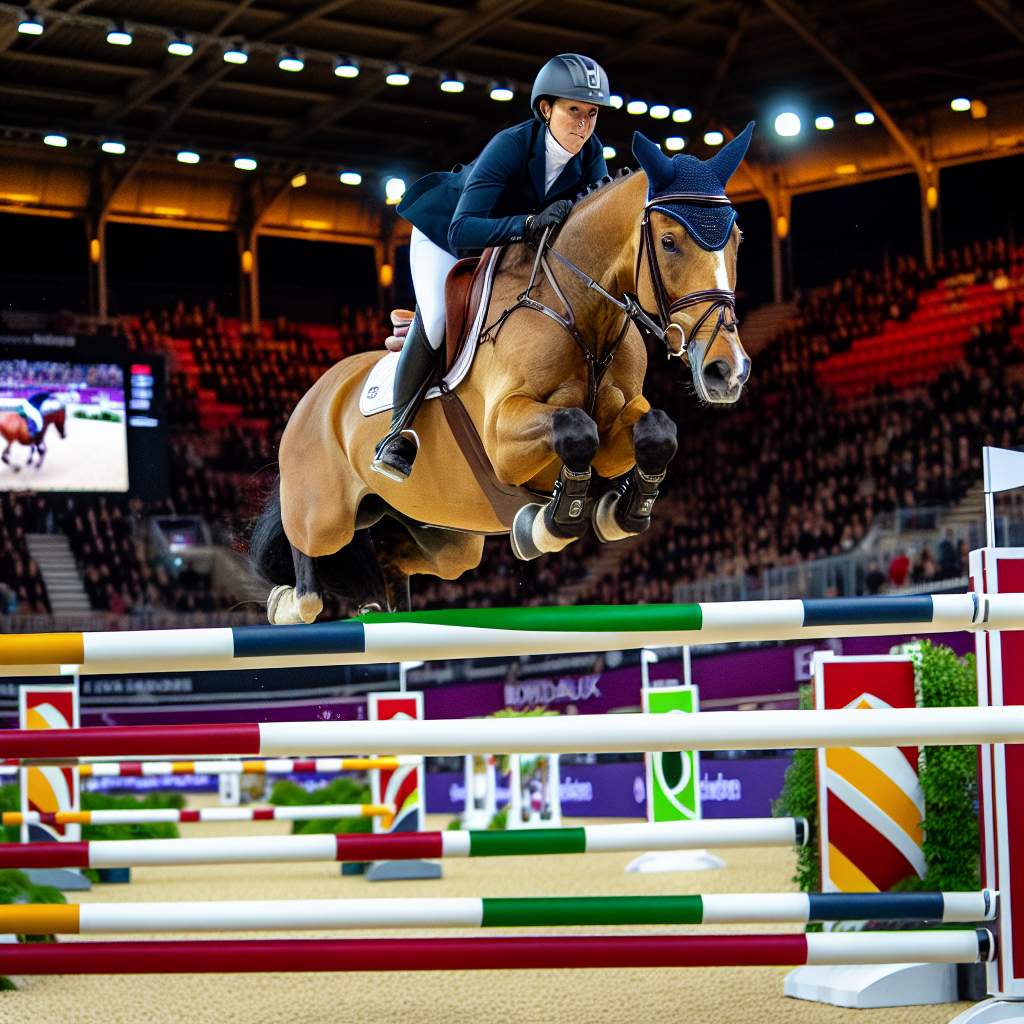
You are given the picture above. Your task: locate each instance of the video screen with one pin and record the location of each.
(62, 426)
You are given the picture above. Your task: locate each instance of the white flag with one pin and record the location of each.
(1004, 469)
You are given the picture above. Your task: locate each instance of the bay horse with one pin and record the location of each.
(554, 395)
(14, 428)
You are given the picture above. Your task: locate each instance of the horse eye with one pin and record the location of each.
(668, 243)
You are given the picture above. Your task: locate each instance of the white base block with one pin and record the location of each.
(674, 860)
(875, 985)
(991, 1011)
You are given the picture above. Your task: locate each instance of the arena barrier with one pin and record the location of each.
(504, 632)
(710, 730)
(270, 766)
(289, 915)
(534, 953)
(361, 847)
(172, 815)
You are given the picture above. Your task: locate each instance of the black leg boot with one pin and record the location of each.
(416, 372)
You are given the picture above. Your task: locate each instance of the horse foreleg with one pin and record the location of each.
(41, 452)
(625, 510)
(541, 528)
(6, 457)
(288, 606)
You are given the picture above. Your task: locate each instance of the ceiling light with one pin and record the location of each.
(979, 109)
(682, 114)
(236, 53)
(659, 111)
(245, 163)
(119, 35)
(824, 123)
(350, 178)
(864, 117)
(345, 67)
(501, 93)
(397, 76)
(299, 180)
(713, 138)
(615, 101)
(180, 46)
(113, 147)
(787, 124)
(187, 156)
(609, 152)
(289, 60)
(960, 104)
(636, 107)
(844, 169)
(394, 189)
(31, 24)
(674, 143)
(452, 83)
(53, 139)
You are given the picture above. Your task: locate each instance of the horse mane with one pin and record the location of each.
(608, 181)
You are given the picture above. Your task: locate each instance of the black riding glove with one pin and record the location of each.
(550, 217)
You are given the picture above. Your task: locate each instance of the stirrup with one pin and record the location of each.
(389, 469)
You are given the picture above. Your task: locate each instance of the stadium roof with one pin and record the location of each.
(726, 62)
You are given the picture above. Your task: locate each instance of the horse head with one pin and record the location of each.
(689, 271)
(58, 417)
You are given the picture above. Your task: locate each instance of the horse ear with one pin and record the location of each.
(730, 156)
(653, 161)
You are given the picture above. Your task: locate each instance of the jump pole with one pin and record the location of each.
(505, 632)
(462, 954)
(710, 730)
(725, 832)
(289, 915)
(172, 815)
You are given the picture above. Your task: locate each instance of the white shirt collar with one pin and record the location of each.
(556, 156)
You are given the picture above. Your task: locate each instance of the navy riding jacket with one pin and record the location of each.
(486, 202)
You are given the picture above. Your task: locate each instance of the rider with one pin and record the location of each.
(31, 409)
(522, 183)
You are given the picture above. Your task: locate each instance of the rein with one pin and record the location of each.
(657, 326)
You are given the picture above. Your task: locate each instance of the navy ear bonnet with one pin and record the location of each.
(708, 226)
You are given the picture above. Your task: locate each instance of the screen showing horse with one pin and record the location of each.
(62, 426)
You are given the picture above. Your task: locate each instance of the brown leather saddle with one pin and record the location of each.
(463, 293)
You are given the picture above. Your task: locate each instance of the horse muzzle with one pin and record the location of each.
(719, 376)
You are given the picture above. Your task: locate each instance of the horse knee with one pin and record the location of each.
(654, 441)
(575, 439)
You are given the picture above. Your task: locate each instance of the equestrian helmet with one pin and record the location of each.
(571, 76)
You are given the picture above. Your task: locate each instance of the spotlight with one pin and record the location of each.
(659, 111)
(245, 163)
(713, 138)
(113, 147)
(187, 156)
(787, 124)
(615, 101)
(864, 117)
(119, 35)
(58, 141)
(674, 143)
(501, 93)
(824, 123)
(609, 152)
(394, 189)
(346, 67)
(960, 104)
(31, 24)
(682, 114)
(290, 60)
(350, 178)
(636, 107)
(179, 45)
(397, 76)
(299, 180)
(452, 83)
(236, 53)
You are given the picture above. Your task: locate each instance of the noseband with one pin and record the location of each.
(650, 325)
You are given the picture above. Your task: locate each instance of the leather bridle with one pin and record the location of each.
(657, 325)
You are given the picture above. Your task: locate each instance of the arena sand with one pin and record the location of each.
(689, 996)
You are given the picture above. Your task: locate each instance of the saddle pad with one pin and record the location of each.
(377, 394)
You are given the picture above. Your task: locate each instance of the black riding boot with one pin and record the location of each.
(416, 372)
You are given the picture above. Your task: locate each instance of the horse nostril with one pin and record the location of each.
(717, 374)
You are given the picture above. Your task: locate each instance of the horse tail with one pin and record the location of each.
(269, 550)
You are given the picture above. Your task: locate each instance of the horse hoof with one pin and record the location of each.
(282, 607)
(310, 606)
(521, 534)
(603, 520)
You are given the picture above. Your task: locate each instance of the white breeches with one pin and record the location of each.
(32, 414)
(430, 265)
